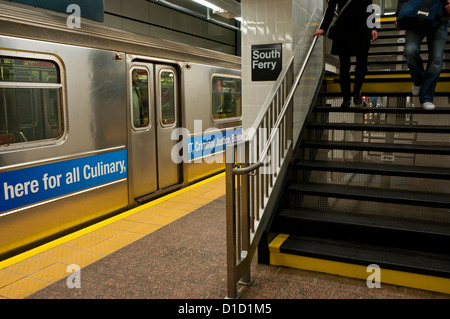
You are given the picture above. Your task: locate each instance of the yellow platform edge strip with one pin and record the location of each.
(32, 252)
(388, 276)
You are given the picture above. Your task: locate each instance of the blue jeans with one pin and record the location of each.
(426, 78)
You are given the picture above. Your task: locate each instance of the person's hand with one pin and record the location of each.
(447, 7)
(396, 25)
(318, 33)
(374, 35)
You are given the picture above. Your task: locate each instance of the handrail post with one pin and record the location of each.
(231, 222)
(245, 216)
(244, 227)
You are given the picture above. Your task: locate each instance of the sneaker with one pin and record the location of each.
(428, 106)
(415, 90)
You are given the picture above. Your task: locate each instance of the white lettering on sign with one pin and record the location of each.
(49, 182)
(20, 189)
(264, 55)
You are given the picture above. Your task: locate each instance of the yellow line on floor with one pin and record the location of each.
(62, 240)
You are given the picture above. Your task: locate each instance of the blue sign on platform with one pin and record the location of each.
(35, 184)
(210, 143)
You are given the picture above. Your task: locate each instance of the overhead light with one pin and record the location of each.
(209, 5)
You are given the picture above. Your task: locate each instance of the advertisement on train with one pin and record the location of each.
(36, 184)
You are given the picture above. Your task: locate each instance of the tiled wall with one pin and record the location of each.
(148, 18)
(292, 23)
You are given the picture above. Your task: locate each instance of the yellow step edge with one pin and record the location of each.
(388, 19)
(388, 276)
(276, 243)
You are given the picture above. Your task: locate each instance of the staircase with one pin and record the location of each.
(370, 185)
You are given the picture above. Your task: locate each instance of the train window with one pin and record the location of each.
(167, 98)
(226, 97)
(30, 100)
(140, 98)
(28, 70)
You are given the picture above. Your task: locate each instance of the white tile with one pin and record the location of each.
(278, 21)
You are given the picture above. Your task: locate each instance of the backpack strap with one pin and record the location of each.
(423, 13)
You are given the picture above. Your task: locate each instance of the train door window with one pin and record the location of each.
(140, 98)
(167, 97)
(30, 99)
(226, 97)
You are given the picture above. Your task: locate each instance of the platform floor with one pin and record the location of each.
(171, 248)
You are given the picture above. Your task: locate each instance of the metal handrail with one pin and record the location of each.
(249, 188)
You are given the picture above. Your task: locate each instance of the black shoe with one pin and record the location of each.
(357, 99)
(345, 105)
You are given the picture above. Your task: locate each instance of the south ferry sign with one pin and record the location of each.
(267, 62)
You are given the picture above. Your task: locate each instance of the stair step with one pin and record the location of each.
(379, 147)
(396, 196)
(394, 62)
(392, 43)
(381, 94)
(361, 254)
(299, 215)
(373, 88)
(375, 169)
(397, 52)
(382, 127)
(368, 229)
(390, 73)
(388, 110)
(394, 79)
(390, 36)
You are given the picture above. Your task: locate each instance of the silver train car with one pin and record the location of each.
(94, 121)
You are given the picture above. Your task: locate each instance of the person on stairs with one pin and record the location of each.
(351, 37)
(425, 80)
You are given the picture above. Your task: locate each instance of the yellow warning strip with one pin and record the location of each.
(389, 19)
(30, 253)
(388, 276)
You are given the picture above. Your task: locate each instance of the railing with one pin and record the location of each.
(252, 171)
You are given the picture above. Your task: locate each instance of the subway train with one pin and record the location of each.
(95, 121)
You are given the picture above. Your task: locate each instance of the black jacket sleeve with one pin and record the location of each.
(329, 15)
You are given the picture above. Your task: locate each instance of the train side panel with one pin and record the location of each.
(71, 148)
(203, 154)
(51, 185)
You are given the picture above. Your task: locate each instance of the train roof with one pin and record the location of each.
(52, 27)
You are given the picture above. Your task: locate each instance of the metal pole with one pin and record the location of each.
(230, 223)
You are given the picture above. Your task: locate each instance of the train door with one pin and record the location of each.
(167, 117)
(154, 115)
